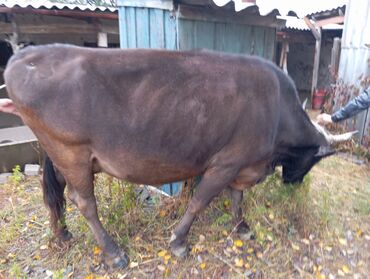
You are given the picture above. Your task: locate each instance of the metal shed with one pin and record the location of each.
(189, 24)
(354, 67)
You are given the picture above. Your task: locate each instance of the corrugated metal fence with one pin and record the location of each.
(354, 61)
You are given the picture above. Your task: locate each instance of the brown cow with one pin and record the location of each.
(155, 116)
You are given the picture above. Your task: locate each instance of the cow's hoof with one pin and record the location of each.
(119, 262)
(178, 248)
(65, 236)
(244, 231)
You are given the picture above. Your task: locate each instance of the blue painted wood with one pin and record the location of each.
(131, 27)
(172, 189)
(220, 31)
(259, 38)
(204, 34)
(269, 48)
(142, 28)
(122, 27)
(157, 28)
(186, 30)
(170, 32)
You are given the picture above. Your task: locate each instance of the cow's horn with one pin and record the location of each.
(334, 138)
(304, 104)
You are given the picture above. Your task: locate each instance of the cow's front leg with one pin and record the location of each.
(84, 199)
(213, 182)
(237, 212)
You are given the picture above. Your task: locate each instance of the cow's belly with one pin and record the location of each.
(144, 170)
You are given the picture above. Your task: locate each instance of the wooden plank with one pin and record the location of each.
(123, 27)
(259, 39)
(142, 28)
(313, 29)
(156, 28)
(170, 31)
(331, 20)
(316, 65)
(186, 34)
(131, 27)
(220, 36)
(269, 44)
(155, 4)
(231, 40)
(204, 34)
(335, 57)
(102, 39)
(246, 38)
(52, 28)
(227, 16)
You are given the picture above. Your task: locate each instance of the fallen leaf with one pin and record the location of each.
(340, 272)
(359, 233)
(271, 216)
(259, 255)
(69, 209)
(37, 257)
(250, 250)
(343, 241)
(90, 276)
(11, 256)
(295, 247)
(162, 253)
(133, 264)
(305, 241)
(247, 266)
(161, 267)
(162, 213)
(138, 238)
(97, 251)
(345, 269)
(202, 238)
(167, 257)
(224, 233)
(43, 247)
(319, 275)
(328, 248)
(239, 262)
(203, 266)
(238, 243)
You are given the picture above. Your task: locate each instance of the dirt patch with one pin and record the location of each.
(320, 229)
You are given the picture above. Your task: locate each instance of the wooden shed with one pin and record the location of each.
(190, 24)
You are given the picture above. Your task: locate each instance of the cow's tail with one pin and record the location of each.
(53, 191)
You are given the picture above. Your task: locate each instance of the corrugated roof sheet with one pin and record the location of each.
(301, 8)
(37, 4)
(293, 22)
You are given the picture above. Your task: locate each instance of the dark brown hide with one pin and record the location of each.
(153, 116)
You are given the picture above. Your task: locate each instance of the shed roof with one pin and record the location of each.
(37, 4)
(284, 7)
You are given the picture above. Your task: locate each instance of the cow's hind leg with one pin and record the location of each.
(213, 182)
(53, 185)
(81, 192)
(242, 228)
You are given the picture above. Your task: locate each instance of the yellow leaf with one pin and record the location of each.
(162, 253)
(36, 257)
(318, 275)
(238, 243)
(167, 257)
(269, 238)
(271, 216)
(249, 258)
(138, 238)
(227, 203)
(97, 251)
(11, 256)
(224, 233)
(247, 266)
(90, 276)
(202, 266)
(239, 262)
(343, 241)
(259, 255)
(43, 247)
(345, 269)
(360, 233)
(295, 247)
(162, 213)
(306, 241)
(69, 209)
(250, 250)
(34, 218)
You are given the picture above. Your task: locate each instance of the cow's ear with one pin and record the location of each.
(324, 151)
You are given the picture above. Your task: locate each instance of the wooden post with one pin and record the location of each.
(102, 39)
(335, 55)
(316, 65)
(284, 56)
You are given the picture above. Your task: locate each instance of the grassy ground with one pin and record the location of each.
(320, 229)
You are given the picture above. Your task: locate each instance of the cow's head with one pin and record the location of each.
(301, 159)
